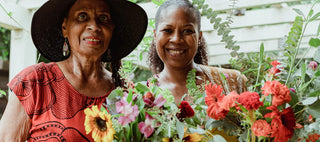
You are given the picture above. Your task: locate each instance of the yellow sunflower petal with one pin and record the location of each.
(165, 140)
(88, 111)
(194, 137)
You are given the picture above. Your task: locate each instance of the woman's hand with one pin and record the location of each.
(14, 124)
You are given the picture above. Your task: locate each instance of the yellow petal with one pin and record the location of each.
(165, 140)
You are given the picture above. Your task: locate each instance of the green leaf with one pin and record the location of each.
(115, 93)
(180, 129)
(3, 93)
(309, 100)
(198, 130)
(315, 93)
(304, 86)
(298, 11)
(142, 88)
(317, 74)
(218, 138)
(104, 110)
(223, 76)
(130, 96)
(314, 17)
(294, 99)
(315, 42)
(314, 109)
(310, 13)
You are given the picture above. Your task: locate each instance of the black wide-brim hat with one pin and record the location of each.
(130, 22)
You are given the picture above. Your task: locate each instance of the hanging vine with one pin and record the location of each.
(222, 27)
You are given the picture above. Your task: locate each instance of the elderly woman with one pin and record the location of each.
(179, 47)
(78, 36)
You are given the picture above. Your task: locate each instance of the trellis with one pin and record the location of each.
(263, 21)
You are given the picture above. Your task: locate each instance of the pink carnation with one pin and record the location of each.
(261, 128)
(250, 100)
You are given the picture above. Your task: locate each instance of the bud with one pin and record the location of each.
(313, 65)
(292, 90)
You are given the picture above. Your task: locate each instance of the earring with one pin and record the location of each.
(65, 49)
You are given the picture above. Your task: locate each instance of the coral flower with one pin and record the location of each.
(313, 138)
(282, 123)
(274, 70)
(213, 96)
(146, 127)
(185, 110)
(213, 93)
(229, 101)
(250, 100)
(129, 112)
(261, 128)
(99, 123)
(281, 93)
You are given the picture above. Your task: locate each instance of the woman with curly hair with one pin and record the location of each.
(178, 47)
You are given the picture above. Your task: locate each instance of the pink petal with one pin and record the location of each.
(159, 101)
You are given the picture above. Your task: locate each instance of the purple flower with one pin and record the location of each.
(226, 75)
(313, 65)
(129, 112)
(292, 90)
(146, 126)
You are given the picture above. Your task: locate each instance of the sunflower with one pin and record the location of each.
(100, 124)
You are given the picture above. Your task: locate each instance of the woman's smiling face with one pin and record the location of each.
(88, 27)
(177, 36)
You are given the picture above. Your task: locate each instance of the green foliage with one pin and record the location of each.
(2, 93)
(158, 2)
(223, 27)
(4, 43)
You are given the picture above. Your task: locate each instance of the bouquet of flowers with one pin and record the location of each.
(141, 113)
(284, 105)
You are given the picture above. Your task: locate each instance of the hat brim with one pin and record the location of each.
(130, 22)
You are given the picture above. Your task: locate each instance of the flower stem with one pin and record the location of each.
(297, 50)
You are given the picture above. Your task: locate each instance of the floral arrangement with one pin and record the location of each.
(284, 103)
(140, 113)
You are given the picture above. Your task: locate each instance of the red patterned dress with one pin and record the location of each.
(54, 107)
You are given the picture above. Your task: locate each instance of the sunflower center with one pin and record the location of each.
(101, 124)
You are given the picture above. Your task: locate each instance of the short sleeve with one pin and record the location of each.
(25, 86)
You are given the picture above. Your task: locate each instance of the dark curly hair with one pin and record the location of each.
(155, 63)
